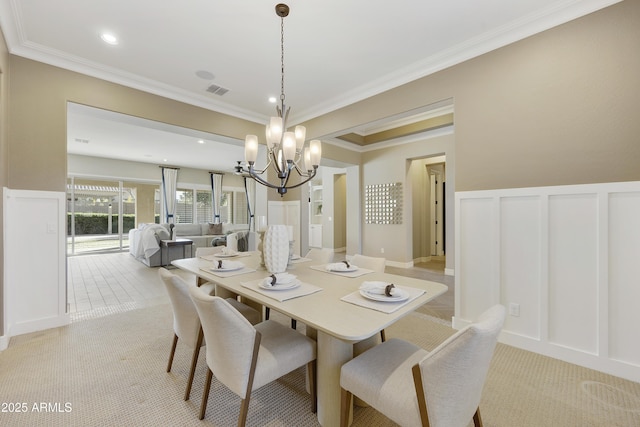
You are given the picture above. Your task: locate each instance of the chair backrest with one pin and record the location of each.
(232, 241)
(368, 262)
(186, 323)
(231, 340)
(321, 256)
(209, 250)
(454, 373)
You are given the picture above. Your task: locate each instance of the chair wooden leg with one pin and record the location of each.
(173, 351)
(477, 419)
(311, 373)
(267, 311)
(205, 394)
(294, 323)
(345, 407)
(244, 410)
(194, 362)
(383, 336)
(244, 406)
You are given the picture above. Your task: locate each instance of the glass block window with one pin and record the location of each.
(383, 203)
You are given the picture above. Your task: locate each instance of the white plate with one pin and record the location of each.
(400, 295)
(221, 255)
(345, 269)
(287, 286)
(233, 267)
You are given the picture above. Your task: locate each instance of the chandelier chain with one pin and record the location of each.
(282, 61)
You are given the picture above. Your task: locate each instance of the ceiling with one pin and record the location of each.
(335, 52)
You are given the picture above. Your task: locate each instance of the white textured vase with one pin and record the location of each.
(276, 248)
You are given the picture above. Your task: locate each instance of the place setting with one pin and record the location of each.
(342, 268)
(227, 268)
(382, 296)
(281, 286)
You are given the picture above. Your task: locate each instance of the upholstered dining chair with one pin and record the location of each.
(242, 241)
(321, 256)
(245, 357)
(186, 323)
(371, 263)
(448, 381)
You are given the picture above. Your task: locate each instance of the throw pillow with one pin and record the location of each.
(215, 228)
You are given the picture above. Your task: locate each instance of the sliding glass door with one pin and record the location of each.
(99, 215)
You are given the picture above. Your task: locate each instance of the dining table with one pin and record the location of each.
(335, 311)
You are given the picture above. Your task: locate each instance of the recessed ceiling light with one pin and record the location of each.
(109, 38)
(272, 99)
(200, 141)
(165, 160)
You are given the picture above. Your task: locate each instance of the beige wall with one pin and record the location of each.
(4, 100)
(37, 138)
(400, 164)
(339, 211)
(560, 107)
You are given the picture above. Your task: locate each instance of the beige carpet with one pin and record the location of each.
(110, 371)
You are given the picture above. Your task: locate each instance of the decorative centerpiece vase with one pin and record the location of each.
(276, 248)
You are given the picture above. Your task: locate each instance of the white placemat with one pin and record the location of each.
(283, 295)
(385, 307)
(215, 257)
(243, 270)
(359, 272)
(298, 260)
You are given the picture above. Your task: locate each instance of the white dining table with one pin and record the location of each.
(335, 323)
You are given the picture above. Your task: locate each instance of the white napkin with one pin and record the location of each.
(379, 288)
(281, 279)
(227, 251)
(340, 266)
(224, 264)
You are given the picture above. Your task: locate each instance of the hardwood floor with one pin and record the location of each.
(101, 284)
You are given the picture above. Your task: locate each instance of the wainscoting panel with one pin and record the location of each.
(35, 260)
(477, 257)
(624, 276)
(520, 282)
(564, 260)
(573, 271)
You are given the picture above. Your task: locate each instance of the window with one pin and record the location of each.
(184, 206)
(204, 207)
(233, 206)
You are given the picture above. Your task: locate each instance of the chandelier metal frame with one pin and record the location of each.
(286, 151)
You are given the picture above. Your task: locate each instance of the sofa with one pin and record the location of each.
(144, 241)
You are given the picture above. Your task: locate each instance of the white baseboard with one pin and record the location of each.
(449, 272)
(400, 264)
(4, 342)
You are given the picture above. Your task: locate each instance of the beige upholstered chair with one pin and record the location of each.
(186, 323)
(448, 380)
(244, 357)
(320, 256)
(371, 263)
(251, 241)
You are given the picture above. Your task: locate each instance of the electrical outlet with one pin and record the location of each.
(514, 309)
(381, 250)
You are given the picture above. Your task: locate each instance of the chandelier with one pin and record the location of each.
(286, 150)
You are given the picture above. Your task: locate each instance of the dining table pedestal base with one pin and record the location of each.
(332, 354)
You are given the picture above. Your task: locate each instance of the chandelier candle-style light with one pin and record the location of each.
(286, 150)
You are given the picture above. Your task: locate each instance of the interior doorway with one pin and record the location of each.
(436, 209)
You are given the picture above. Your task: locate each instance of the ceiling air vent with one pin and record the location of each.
(217, 90)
